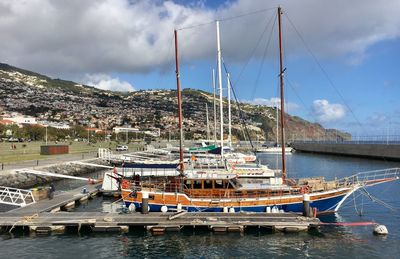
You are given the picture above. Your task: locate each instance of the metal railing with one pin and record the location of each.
(16, 197)
(371, 177)
(376, 139)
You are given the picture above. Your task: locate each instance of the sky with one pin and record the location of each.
(342, 58)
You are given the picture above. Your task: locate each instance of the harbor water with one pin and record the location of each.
(328, 242)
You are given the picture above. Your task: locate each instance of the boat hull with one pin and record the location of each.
(323, 202)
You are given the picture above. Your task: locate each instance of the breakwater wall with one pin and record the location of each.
(376, 151)
(21, 180)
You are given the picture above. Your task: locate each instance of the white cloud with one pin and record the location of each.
(377, 118)
(326, 112)
(273, 102)
(106, 82)
(108, 36)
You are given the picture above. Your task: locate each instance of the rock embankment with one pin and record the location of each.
(24, 181)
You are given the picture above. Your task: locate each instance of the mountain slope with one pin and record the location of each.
(58, 100)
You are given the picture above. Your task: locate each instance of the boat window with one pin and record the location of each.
(151, 197)
(197, 184)
(230, 186)
(188, 184)
(227, 185)
(207, 184)
(218, 184)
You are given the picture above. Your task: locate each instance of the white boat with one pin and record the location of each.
(275, 150)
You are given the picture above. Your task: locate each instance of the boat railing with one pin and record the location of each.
(370, 177)
(142, 172)
(158, 186)
(236, 194)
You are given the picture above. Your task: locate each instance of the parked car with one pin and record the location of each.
(13, 139)
(122, 148)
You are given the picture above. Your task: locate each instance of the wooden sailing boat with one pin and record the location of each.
(257, 192)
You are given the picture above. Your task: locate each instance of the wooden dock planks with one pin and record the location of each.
(58, 201)
(159, 221)
(41, 216)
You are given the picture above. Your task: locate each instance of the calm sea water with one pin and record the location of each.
(329, 242)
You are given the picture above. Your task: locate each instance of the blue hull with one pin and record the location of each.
(321, 205)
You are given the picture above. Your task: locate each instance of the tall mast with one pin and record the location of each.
(208, 124)
(282, 96)
(215, 109)
(277, 123)
(229, 112)
(178, 89)
(220, 90)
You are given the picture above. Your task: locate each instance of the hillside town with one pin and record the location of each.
(31, 99)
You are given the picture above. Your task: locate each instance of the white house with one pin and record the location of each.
(117, 130)
(23, 120)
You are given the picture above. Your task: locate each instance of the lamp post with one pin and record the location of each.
(46, 133)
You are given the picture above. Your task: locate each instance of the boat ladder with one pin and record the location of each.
(16, 197)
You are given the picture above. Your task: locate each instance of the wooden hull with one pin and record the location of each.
(324, 201)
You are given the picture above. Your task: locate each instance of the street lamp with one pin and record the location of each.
(46, 133)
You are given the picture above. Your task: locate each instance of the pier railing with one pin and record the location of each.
(376, 139)
(16, 197)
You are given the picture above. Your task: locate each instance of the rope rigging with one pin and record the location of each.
(240, 110)
(323, 70)
(227, 18)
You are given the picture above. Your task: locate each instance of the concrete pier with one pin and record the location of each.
(375, 151)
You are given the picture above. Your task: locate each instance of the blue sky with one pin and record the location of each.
(127, 45)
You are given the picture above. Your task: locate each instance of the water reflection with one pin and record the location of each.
(328, 242)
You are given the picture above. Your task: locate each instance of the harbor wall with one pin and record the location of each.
(21, 180)
(376, 151)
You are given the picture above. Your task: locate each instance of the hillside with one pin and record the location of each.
(58, 100)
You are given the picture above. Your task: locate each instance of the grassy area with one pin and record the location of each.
(31, 150)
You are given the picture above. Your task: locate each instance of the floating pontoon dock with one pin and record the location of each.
(157, 222)
(46, 216)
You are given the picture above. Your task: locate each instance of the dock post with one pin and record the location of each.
(145, 203)
(307, 211)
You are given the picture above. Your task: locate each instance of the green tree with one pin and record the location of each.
(33, 132)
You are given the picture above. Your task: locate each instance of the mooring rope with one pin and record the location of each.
(24, 219)
(374, 199)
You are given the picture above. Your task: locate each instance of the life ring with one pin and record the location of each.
(125, 185)
(304, 189)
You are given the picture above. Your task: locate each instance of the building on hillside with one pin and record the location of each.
(95, 130)
(117, 130)
(7, 122)
(22, 120)
(56, 125)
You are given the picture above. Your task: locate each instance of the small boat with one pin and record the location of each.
(275, 150)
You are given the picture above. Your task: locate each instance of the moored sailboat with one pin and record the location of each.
(251, 190)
